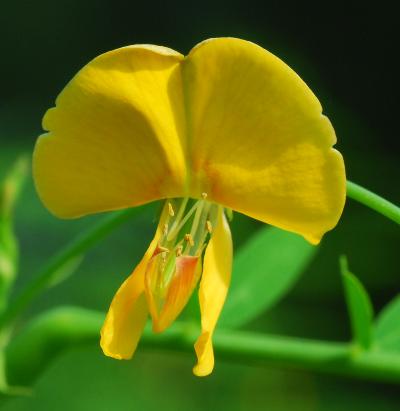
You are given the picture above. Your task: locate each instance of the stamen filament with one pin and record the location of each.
(196, 218)
(165, 229)
(201, 244)
(178, 218)
(168, 271)
(182, 208)
(189, 239)
(177, 226)
(195, 224)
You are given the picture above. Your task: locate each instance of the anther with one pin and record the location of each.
(189, 239)
(204, 195)
(178, 251)
(170, 210)
(209, 226)
(160, 250)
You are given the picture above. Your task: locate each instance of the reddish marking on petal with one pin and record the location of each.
(187, 273)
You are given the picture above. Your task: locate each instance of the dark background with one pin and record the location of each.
(347, 54)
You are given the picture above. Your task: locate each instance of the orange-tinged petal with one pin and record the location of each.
(128, 311)
(166, 302)
(115, 136)
(259, 143)
(213, 290)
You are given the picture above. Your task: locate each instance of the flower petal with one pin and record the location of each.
(126, 317)
(213, 290)
(259, 143)
(164, 309)
(128, 311)
(115, 135)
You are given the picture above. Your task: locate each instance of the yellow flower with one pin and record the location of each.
(229, 125)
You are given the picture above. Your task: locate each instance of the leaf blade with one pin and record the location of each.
(271, 256)
(359, 307)
(10, 189)
(387, 326)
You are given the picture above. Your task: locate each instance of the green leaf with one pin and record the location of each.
(3, 378)
(9, 191)
(264, 270)
(11, 186)
(359, 307)
(387, 327)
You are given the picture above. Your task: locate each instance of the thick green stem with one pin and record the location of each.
(373, 201)
(77, 247)
(53, 332)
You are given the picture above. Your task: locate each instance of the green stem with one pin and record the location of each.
(373, 201)
(53, 332)
(77, 247)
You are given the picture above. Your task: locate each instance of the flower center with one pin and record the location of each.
(189, 225)
(175, 267)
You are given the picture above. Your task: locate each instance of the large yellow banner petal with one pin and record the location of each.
(258, 141)
(115, 138)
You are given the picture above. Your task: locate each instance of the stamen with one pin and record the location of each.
(196, 218)
(165, 229)
(178, 250)
(189, 239)
(177, 227)
(209, 226)
(198, 221)
(204, 195)
(161, 249)
(182, 209)
(171, 211)
(164, 260)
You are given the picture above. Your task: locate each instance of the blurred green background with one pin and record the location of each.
(346, 55)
